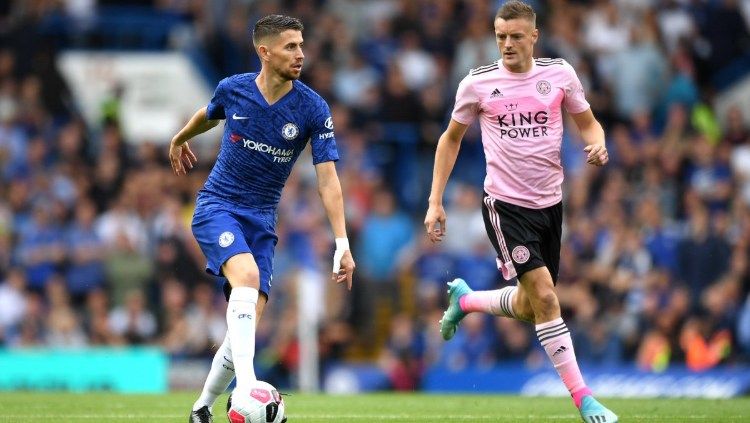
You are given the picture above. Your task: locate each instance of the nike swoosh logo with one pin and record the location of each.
(235, 117)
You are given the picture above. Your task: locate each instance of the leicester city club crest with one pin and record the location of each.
(543, 87)
(521, 254)
(290, 131)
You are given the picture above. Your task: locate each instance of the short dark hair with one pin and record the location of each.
(275, 25)
(516, 9)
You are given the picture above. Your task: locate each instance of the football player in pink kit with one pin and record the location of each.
(519, 103)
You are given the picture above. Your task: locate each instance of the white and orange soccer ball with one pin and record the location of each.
(261, 404)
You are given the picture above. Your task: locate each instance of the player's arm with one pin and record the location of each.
(445, 158)
(197, 125)
(329, 189)
(592, 134)
(180, 155)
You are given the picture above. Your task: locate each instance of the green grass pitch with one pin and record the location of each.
(19, 407)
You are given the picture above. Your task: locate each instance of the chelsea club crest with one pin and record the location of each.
(290, 131)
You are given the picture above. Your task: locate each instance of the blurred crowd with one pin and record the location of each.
(95, 241)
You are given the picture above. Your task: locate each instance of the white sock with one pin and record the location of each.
(498, 302)
(503, 303)
(241, 330)
(219, 377)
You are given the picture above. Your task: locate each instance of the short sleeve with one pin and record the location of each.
(466, 108)
(322, 138)
(215, 108)
(575, 98)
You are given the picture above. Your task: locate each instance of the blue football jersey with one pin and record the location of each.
(261, 142)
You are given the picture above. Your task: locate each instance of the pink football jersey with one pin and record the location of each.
(522, 126)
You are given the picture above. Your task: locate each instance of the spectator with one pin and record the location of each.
(86, 253)
(639, 72)
(173, 319)
(416, 66)
(41, 247)
(205, 321)
(96, 320)
(12, 302)
(385, 234)
(736, 129)
(702, 257)
(707, 176)
(132, 320)
(33, 328)
(402, 358)
(354, 80)
(63, 324)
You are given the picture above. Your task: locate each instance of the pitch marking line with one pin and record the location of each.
(436, 417)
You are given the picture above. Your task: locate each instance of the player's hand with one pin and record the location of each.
(434, 223)
(597, 154)
(181, 158)
(343, 267)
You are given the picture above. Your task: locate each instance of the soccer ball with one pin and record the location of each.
(262, 404)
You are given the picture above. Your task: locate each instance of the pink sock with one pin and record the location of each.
(498, 302)
(555, 338)
(578, 396)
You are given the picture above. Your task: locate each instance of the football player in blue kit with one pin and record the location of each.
(269, 118)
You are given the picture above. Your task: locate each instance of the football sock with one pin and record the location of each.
(219, 377)
(555, 338)
(241, 332)
(498, 302)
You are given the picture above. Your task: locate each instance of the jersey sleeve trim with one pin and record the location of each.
(484, 69)
(545, 61)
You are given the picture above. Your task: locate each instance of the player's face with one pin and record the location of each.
(516, 39)
(285, 54)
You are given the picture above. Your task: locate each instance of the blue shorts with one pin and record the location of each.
(224, 230)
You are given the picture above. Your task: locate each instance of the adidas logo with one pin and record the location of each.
(496, 93)
(560, 350)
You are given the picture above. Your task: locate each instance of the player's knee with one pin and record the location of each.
(246, 277)
(546, 299)
(241, 270)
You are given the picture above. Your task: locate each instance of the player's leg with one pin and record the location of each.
(462, 300)
(538, 285)
(221, 373)
(509, 301)
(505, 229)
(555, 338)
(250, 277)
(515, 233)
(217, 381)
(552, 332)
(220, 235)
(235, 356)
(244, 277)
(260, 307)
(521, 305)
